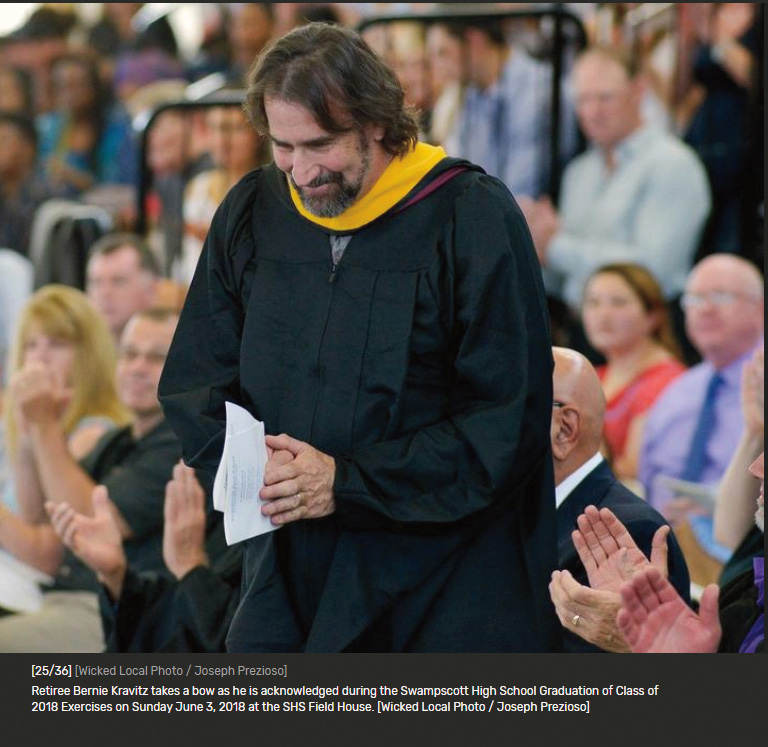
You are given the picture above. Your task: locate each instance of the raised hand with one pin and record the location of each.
(654, 619)
(608, 552)
(40, 395)
(752, 393)
(96, 539)
(184, 522)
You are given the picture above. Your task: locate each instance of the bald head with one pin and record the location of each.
(577, 424)
(723, 305)
(732, 267)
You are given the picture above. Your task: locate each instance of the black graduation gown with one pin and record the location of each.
(423, 366)
(156, 613)
(739, 612)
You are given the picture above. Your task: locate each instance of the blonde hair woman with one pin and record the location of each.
(62, 356)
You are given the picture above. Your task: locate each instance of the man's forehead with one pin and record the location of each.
(293, 123)
(600, 73)
(142, 333)
(718, 276)
(123, 258)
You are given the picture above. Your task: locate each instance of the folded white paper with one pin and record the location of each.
(20, 585)
(704, 495)
(240, 477)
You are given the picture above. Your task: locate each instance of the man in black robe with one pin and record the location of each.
(380, 306)
(188, 611)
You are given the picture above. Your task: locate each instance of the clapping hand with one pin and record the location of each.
(654, 619)
(610, 557)
(96, 539)
(608, 552)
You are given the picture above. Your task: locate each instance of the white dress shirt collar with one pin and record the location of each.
(567, 486)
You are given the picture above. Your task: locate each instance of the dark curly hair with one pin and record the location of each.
(334, 74)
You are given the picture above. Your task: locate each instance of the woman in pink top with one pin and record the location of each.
(625, 318)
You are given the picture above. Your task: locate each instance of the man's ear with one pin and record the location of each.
(567, 431)
(376, 132)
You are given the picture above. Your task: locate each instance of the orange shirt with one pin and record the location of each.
(634, 399)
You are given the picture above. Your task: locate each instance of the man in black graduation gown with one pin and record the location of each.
(380, 306)
(188, 611)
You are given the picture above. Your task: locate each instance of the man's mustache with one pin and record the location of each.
(329, 177)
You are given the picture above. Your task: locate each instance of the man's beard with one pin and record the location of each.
(759, 520)
(344, 193)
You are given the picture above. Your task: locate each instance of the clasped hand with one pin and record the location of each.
(300, 487)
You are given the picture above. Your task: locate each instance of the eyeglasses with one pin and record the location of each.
(557, 403)
(714, 298)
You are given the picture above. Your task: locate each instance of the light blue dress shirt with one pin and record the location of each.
(650, 210)
(506, 127)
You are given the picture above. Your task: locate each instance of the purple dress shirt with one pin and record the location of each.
(669, 429)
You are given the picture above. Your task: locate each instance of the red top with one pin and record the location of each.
(634, 399)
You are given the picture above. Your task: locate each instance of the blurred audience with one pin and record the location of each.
(134, 463)
(724, 76)
(504, 124)
(134, 71)
(637, 195)
(85, 140)
(733, 524)
(120, 29)
(250, 27)
(626, 320)
(319, 12)
(22, 190)
(235, 149)
(693, 428)
(61, 386)
(48, 21)
(176, 152)
(121, 279)
(407, 55)
(16, 92)
(446, 53)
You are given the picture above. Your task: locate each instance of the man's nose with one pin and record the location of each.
(303, 170)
